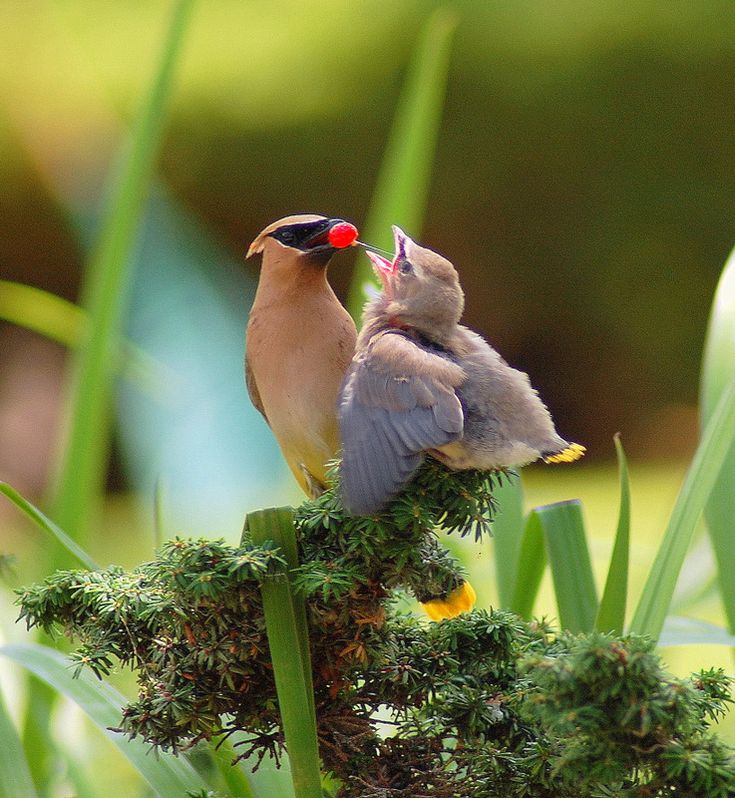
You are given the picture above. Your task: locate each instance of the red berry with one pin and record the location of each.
(343, 234)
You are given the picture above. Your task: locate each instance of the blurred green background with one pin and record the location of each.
(583, 186)
(582, 183)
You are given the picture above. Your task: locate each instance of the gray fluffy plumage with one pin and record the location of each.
(422, 383)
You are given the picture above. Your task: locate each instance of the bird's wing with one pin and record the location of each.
(253, 391)
(398, 401)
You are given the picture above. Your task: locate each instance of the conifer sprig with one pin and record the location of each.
(482, 706)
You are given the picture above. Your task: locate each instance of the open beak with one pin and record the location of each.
(384, 268)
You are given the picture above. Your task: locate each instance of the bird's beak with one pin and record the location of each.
(336, 233)
(384, 268)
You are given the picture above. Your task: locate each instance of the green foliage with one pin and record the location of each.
(104, 297)
(15, 775)
(611, 612)
(397, 548)
(717, 439)
(508, 537)
(717, 371)
(402, 190)
(288, 641)
(482, 705)
(615, 712)
(48, 526)
(165, 774)
(531, 563)
(566, 544)
(173, 620)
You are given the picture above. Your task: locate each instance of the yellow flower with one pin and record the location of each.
(461, 599)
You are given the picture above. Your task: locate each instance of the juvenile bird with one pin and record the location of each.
(300, 341)
(420, 383)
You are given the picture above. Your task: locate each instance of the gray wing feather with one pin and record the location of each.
(397, 402)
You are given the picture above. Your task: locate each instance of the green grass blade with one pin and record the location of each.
(571, 568)
(508, 532)
(233, 776)
(15, 775)
(402, 188)
(81, 783)
(277, 525)
(718, 368)
(47, 525)
(64, 322)
(530, 567)
(697, 592)
(682, 631)
(285, 619)
(42, 312)
(83, 460)
(717, 440)
(42, 753)
(611, 614)
(166, 774)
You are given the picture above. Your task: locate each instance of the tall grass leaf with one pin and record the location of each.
(285, 620)
(167, 775)
(402, 189)
(15, 775)
(508, 533)
(277, 524)
(269, 780)
(80, 781)
(716, 442)
(233, 776)
(42, 753)
(64, 322)
(42, 312)
(707, 589)
(47, 525)
(104, 296)
(611, 613)
(530, 567)
(718, 368)
(682, 631)
(571, 568)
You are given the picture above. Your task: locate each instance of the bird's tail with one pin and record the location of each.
(461, 599)
(568, 455)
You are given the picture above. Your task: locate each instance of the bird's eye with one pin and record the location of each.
(287, 236)
(405, 266)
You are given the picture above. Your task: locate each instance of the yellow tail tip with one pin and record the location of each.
(461, 599)
(573, 452)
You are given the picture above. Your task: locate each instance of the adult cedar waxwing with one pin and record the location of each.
(300, 341)
(420, 383)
